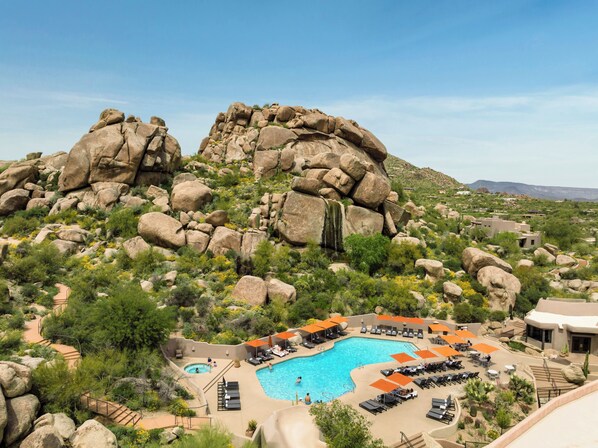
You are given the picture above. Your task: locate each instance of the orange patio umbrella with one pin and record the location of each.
(484, 348)
(256, 343)
(383, 385)
(465, 334)
(439, 328)
(338, 319)
(270, 341)
(447, 351)
(402, 357)
(452, 339)
(426, 354)
(399, 378)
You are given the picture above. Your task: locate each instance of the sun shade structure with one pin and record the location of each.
(402, 357)
(465, 334)
(383, 385)
(438, 328)
(325, 325)
(447, 351)
(399, 378)
(409, 320)
(384, 317)
(313, 328)
(338, 319)
(426, 354)
(452, 339)
(256, 343)
(484, 348)
(285, 335)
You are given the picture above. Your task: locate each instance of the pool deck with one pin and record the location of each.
(408, 417)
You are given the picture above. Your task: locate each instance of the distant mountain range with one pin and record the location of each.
(538, 191)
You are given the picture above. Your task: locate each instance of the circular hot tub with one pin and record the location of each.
(198, 368)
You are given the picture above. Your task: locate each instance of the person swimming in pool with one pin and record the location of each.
(298, 380)
(197, 370)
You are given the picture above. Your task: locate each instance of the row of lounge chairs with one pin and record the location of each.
(440, 410)
(229, 397)
(316, 339)
(267, 355)
(386, 401)
(406, 333)
(443, 380)
(422, 369)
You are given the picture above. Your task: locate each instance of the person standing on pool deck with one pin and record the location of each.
(307, 399)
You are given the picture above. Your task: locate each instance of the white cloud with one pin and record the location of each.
(546, 138)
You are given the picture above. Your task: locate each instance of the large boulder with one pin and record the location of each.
(541, 252)
(265, 163)
(565, 260)
(118, 151)
(395, 217)
(162, 230)
(250, 289)
(13, 200)
(44, 437)
(339, 180)
(474, 259)
(351, 165)
(190, 196)
(371, 191)
(279, 290)
(223, 240)
(61, 422)
(21, 412)
(502, 287)
(363, 221)
(452, 292)
(17, 175)
(135, 246)
(15, 379)
(434, 268)
(93, 434)
(274, 137)
(3, 416)
(197, 240)
(302, 219)
(251, 240)
(574, 374)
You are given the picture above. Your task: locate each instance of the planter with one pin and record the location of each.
(249, 433)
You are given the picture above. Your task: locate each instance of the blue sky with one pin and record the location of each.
(494, 90)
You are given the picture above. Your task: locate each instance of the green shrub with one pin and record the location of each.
(122, 222)
(180, 408)
(367, 253)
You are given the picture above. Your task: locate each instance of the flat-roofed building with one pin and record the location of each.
(556, 323)
(495, 225)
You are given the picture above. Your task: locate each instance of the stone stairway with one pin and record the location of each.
(415, 441)
(550, 383)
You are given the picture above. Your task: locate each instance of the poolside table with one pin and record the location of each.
(509, 368)
(493, 374)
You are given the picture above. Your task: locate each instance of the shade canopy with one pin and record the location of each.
(326, 324)
(399, 378)
(338, 319)
(384, 385)
(402, 357)
(465, 334)
(484, 348)
(438, 328)
(285, 335)
(447, 351)
(383, 317)
(426, 354)
(313, 328)
(256, 343)
(452, 339)
(409, 320)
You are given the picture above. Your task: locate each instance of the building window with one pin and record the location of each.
(548, 336)
(535, 333)
(532, 242)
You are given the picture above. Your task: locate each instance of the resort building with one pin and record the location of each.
(495, 225)
(558, 323)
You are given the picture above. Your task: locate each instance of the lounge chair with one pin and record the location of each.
(381, 406)
(387, 372)
(420, 334)
(232, 405)
(230, 384)
(254, 361)
(378, 330)
(372, 408)
(291, 349)
(410, 333)
(439, 415)
(232, 394)
(278, 351)
(308, 344)
(388, 399)
(178, 354)
(364, 329)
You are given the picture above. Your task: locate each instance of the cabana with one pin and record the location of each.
(285, 336)
(256, 343)
(311, 329)
(438, 328)
(383, 385)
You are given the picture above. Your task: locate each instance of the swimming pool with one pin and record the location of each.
(327, 375)
(198, 368)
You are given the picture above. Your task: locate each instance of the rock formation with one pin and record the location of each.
(475, 259)
(502, 286)
(118, 150)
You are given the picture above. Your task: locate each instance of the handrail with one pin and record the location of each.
(405, 439)
(217, 377)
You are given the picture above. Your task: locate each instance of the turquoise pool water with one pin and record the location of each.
(327, 375)
(198, 368)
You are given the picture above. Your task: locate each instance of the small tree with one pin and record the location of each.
(503, 418)
(367, 253)
(343, 426)
(586, 365)
(478, 390)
